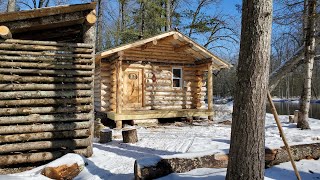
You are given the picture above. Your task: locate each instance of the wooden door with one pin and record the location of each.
(132, 88)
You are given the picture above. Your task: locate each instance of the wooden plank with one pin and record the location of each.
(151, 114)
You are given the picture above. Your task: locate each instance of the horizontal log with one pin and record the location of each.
(44, 135)
(159, 76)
(44, 110)
(44, 94)
(157, 60)
(5, 52)
(39, 87)
(46, 59)
(173, 107)
(38, 118)
(46, 65)
(44, 48)
(51, 101)
(170, 103)
(164, 166)
(46, 72)
(38, 79)
(16, 129)
(172, 93)
(50, 43)
(6, 160)
(168, 98)
(54, 144)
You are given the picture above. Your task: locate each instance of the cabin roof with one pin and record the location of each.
(198, 52)
(46, 11)
(49, 23)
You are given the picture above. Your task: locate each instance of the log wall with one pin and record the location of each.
(46, 98)
(156, 95)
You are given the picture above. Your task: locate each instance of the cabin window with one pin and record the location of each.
(177, 77)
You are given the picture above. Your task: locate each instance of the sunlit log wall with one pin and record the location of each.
(157, 95)
(46, 100)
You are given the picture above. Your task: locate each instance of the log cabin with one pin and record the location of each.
(46, 83)
(165, 76)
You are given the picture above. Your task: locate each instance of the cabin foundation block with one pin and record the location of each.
(118, 124)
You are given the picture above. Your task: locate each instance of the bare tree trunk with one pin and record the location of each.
(142, 7)
(11, 6)
(247, 155)
(168, 15)
(309, 61)
(99, 26)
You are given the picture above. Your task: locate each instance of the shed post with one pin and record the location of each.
(119, 88)
(89, 37)
(210, 91)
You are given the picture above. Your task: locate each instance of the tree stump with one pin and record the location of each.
(129, 135)
(105, 135)
(291, 118)
(118, 124)
(296, 116)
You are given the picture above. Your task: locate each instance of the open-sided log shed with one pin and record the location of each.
(46, 83)
(160, 77)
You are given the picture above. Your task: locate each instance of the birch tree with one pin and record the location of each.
(11, 5)
(247, 147)
(310, 16)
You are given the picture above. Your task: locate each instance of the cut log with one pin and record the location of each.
(54, 144)
(61, 172)
(129, 135)
(44, 135)
(156, 167)
(46, 72)
(5, 46)
(44, 110)
(46, 65)
(91, 18)
(39, 87)
(5, 32)
(43, 127)
(46, 101)
(37, 118)
(46, 43)
(105, 135)
(44, 94)
(36, 157)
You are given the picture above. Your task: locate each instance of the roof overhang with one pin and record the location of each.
(200, 53)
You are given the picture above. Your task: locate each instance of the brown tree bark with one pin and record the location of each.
(168, 15)
(247, 154)
(309, 61)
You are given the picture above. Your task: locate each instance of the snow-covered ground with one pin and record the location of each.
(115, 160)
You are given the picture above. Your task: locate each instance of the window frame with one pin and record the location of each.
(180, 79)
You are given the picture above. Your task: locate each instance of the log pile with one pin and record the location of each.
(46, 100)
(156, 167)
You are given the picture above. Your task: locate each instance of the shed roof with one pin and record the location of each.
(178, 40)
(59, 22)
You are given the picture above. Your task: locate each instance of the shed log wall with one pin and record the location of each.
(46, 100)
(156, 95)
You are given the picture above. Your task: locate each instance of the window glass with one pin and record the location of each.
(176, 77)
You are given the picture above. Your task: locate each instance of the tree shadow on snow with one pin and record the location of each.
(127, 150)
(94, 170)
(285, 174)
